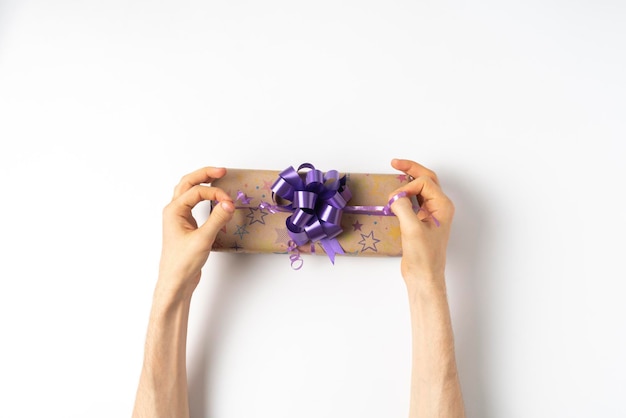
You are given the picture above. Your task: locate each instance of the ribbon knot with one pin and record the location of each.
(316, 202)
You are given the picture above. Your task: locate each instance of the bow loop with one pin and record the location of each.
(316, 203)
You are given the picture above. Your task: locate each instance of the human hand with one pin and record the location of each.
(186, 246)
(424, 242)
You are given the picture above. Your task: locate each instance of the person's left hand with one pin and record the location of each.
(186, 246)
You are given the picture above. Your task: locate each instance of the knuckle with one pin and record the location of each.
(194, 190)
(201, 191)
(184, 182)
(184, 179)
(167, 209)
(451, 206)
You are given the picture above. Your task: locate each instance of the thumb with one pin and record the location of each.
(403, 209)
(220, 215)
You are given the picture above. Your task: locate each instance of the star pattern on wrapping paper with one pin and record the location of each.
(369, 242)
(401, 177)
(257, 215)
(241, 230)
(356, 226)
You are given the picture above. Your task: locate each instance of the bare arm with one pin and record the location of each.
(435, 386)
(162, 390)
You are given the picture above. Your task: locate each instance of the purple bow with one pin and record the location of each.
(316, 203)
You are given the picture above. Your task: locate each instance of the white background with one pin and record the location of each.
(518, 106)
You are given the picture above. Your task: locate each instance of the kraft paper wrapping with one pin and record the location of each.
(256, 230)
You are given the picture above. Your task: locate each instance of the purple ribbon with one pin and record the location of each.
(316, 204)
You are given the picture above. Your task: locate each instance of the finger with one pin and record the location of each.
(202, 175)
(221, 214)
(413, 169)
(403, 209)
(196, 194)
(422, 186)
(432, 198)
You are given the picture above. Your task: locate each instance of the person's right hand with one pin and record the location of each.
(186, 246)
(424, 243)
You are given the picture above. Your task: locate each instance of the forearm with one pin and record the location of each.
(162, 390)
(435, 386)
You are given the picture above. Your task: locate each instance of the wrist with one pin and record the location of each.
(169, 293)
(425, 287)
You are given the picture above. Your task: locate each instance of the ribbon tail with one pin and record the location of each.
(332, 247)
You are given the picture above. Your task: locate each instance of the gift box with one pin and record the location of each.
(308, 211)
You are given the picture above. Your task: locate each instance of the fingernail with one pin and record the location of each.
(228, 206)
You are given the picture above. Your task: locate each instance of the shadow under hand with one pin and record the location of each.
(227, 275)
(468, 277)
